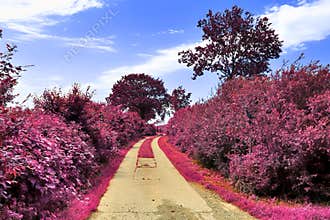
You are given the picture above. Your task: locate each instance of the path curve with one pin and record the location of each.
(150, 188)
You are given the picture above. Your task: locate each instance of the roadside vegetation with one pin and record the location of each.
(265, 131)
(268, 133)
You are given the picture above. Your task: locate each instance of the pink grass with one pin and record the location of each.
(145, 150)
(262, 209)
(83, 208)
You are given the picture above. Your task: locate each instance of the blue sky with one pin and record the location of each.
(95, 42)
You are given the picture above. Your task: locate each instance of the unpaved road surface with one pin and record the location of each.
(152, 188)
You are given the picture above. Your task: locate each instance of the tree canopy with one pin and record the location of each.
(179, 98)
(235, 43)
(140, 93)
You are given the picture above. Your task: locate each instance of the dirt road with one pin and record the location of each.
(151, 188)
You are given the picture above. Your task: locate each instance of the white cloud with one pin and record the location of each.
(164, 61)
(174, 31)
(38, 10)
(32, 33)
(30, 18)
(28, 32)
(295, 25)
(144, 55)
(169, 31)
(308, 21)
(160, 63)
(29, 87)
(102, 44)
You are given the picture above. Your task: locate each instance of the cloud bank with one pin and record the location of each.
(305, 22)
(39, 10)
(31, 18)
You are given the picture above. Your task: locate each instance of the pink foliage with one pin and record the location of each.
(261, 209)
(235, 43)
(179, 98)
(145, 150)
(140, 93)
(50, 155)
(44, 163)
(111, 129)
(269, 135)
(9, 74)
(108, 127)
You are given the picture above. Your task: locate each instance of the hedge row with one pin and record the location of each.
(50, 155)
(270, 135)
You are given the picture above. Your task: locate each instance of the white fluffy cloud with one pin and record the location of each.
(30, 18)
(38, 10)
(308, 21)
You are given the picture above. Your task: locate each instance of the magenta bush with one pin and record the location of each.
(111, 129)
(260, 208)
(47, 161)
(108, 127)
(50, 155)
(44, 163)
(70, 105)
(270, 135)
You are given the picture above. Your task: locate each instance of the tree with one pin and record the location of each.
(235, 43)
(179, 98)
(8, 74)
(71, 105)
(140, 93)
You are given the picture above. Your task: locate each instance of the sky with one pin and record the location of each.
(95, 42)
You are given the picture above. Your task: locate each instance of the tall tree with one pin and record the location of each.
(179, 98)
(142, 94)
(235, 43)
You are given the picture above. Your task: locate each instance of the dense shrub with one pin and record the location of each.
(50, 155)
(71, 105)
(299, 83)
(265, 209)
(112, 129)
(269, 135)
(108, 127)
(44, 163)
(46, 160)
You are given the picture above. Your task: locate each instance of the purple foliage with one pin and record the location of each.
(269, 135)
(259, 208)
(44, 163)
